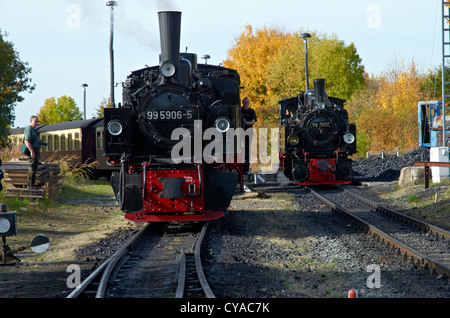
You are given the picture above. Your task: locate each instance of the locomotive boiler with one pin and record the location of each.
(169, 137)
(316, 139)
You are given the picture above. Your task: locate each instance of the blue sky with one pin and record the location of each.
(66, 42)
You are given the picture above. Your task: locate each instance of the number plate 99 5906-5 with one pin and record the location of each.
(163, 115)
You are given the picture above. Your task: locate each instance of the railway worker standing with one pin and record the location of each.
(33, 143)
(248, 120)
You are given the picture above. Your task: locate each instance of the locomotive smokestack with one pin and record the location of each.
(169, 29)
(319, 90)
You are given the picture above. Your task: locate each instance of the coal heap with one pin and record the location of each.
(386, 169)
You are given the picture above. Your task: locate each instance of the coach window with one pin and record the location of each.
(77, 141)
(63, 142)
(44, 139)
(56, 139)
(69, 142)
(99, 140)
(50, 143)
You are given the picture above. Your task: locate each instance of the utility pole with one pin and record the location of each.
(305, 37)
(111, 4)
(84, 99)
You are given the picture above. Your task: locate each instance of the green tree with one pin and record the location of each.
(60, 110)
(328, 57)
(13, 81)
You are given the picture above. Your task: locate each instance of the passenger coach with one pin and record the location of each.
(79, 141)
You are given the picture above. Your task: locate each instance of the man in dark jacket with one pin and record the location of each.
(248, 120)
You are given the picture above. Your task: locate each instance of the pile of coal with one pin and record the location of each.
(376, 168)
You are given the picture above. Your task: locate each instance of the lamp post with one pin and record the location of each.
(111, 4)
(84, 99)
(305, 37)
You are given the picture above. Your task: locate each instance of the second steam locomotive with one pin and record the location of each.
(316, 138)
(159, 136)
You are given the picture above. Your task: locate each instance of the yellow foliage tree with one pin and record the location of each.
(251, 54)
(386, 111)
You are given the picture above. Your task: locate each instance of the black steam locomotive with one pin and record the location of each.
(316, 138)
(161, 136)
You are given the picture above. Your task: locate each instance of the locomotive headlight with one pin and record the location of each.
(349, 138)
(168, 69)
(115, 127)
(222, 124)
(320, 105)
(293, 140)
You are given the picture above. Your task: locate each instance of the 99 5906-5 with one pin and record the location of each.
(161, 115)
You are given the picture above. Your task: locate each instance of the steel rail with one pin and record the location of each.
(423, 259)
(207, 291)
(105, 269)
(198, 264)
(405, 218)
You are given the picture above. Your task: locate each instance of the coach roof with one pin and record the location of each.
(69, 125)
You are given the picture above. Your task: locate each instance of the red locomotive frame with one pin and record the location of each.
(319, 176)
(186, 204)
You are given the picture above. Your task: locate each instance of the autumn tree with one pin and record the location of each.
(13, 81)
(59, 110)
(386, 111)
(271, 65)
(251, 54)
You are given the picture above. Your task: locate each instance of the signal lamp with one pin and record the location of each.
(8, 222)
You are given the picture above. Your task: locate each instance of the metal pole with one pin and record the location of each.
(111, 4)
(305, 37)
(111, 56)
(84, 99)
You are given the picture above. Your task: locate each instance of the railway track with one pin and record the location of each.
(426, 245)
(160, 261)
